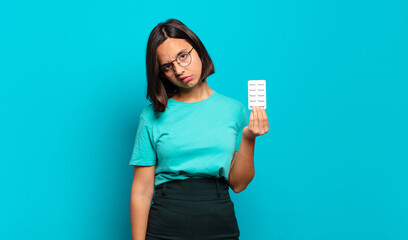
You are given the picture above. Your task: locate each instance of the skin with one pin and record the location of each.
(242, 165)
(194, 90)
(242, 169)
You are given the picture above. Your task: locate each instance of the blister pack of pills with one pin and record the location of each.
(256, 93)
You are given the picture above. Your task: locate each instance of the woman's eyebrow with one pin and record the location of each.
(176, 55)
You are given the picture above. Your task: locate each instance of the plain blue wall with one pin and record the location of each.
(333, 165)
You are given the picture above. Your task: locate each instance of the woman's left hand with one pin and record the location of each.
(258, 123)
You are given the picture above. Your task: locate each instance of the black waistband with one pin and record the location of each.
(194, 189)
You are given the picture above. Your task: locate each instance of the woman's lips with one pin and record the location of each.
(187, 79)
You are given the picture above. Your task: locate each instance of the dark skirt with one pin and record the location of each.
(194, 208)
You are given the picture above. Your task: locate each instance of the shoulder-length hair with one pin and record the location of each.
(159, 88)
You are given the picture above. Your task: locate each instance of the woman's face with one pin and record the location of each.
(168, 51)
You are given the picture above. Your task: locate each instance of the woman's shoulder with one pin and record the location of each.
(147, 112)
(231, 102)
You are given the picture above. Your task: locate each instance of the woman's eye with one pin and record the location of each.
(182, 56)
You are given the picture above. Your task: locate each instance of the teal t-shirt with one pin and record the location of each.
(190, 140)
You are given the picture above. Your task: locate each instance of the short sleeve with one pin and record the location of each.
(243, 122)
(143, 151)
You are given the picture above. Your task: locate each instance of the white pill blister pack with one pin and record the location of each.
(256, 93)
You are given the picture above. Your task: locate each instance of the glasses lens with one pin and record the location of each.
(184, 59)
(167, 70)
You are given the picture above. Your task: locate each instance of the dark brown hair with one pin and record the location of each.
(159, 88)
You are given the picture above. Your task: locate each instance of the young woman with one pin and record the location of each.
(191, 145)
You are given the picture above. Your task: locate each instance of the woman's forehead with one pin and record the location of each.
(170, 48)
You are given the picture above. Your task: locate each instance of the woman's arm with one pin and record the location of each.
(140, 200)
(242, 169)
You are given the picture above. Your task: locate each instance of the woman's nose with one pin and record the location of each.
(178, 69)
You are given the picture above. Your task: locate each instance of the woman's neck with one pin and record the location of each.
(198, 93)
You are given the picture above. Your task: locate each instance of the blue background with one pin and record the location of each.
(333, 165)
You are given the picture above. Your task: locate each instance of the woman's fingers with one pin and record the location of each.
(261, 121)
(265, 121)
(258, 121)
(251, 120)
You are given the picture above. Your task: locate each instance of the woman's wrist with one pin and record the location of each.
(248, 135)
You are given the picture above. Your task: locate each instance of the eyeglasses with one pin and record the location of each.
(183, 59)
